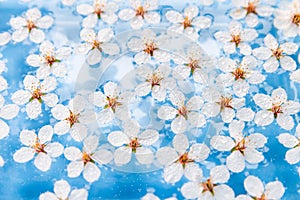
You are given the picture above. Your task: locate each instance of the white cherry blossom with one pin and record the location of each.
(30, 25)
(133, 141)
(188, 22)
(39, 145)
(148, 46)
(287, 18)
(276, 107)
(243, 147)
(224, 105)
(212, 188)
(274, 54)
(181, 159)
(5, 38)
(84, 161)
(112, 102)
(250, 10)
(192, 63)
(96, 44)
(62, 190)
(36, 94)
(185, 112)
(100, 10)
(257, 190)
(239, 75)
(142, 11)
(72, 118)
(156, 81)
(50, 60)
(292, 142)
(237, 37)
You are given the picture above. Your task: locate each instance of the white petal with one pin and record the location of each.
(45, 134)
(211, 109)
(285, 121)
(62, 189)
(42, 161)
(248, 35)
(191, 190)
(90, 21)
(47, 196)
(118, 138)
(254, 186)
(199, 152)
(288, 63)
(253, 156)
(223, 36)
(105, 116)
(33, 14)
(202, 22)
(288, 140)
(196, 119)
(174, 16)
(223, 192)
(126, 14)
(33, 109)
(256, 140)
(274, 190)
(4, 38)
(264, 11)
(142, 57)
(262, 53)
(34, 60)
(152, 17)
(3, 83)
(235, 162)
(9, 111)
(36, 35)
(222, 143)
(255, 77)
(78, 132)
(91, 143)
(271, 42)
(23, 155)
(292, 156)
(263, 101)
(144, 156)
(137, 22)
(75, 168)
(59, 69)
(122, 155)
(91, 172)
(148, 137)
(94, 57)
(79, 194)
(143, 89)
(289, 48)
(177, 98)
(245, 114)
(240, 88)
(72, 153)
(227, 115)
(173, 173)
(50, 99)
(20, 35)
(45, 22)
(191, 11)
(271, 65)
(84, 9)
(179, 125)
(102, 156)
(194, 103)
(17, 22)
(166, 155)
(54, 149)
(4, 129)
(235, 28)
(166, 112)
(60, 112)
(192, 172)
(180, 143)
(61, 127)
(219, 174)
(30, 82)
(181, 72)
(245, 49)
(110, 48)
(263, 118)
(251, 20)
(243, 197)
(238, 13)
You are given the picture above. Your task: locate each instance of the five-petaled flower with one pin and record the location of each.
(39, 145)
(242, 147)
(35, 94)
(31, 24)
(49, 61)
(101, 9)
(131, 141)
(141, 12)
(276, 106)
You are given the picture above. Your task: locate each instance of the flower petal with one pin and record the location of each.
(54, 149)
(23, 155)
(42, 161)
(264, 118)
(179, 125)
(75, 168)
(199, 152)
(37, 36)
(288, 140)
(144, 156)
(263, 101)
(166, 155)
(180, 143)
(166, 112)
(102, 156)
(219, 174)
(191, 190)
(62, 189)
(91, 172)
(285, 121)
(122, 155)
(274, 190)
(292, 156)
(33, 109)
(253, 156)
(173, 173)
(235, 162)
(254, 186)
(222, 143)
(72, 153)
(193, 172)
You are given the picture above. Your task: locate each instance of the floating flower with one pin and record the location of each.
(62, 190)
(287, 18)
(30, 25)
(292, 156)
(239, 75)
(242, 147)
(72, 118)
(100, 10)
(250, 10)
(49, 61)
(225, 105)
(39, 145)
(131, 141)
(96, 44)
(276, 107)
(184, 113)
(275, 54)
(35, 94)
(189, 22)
(180, 160)
(236, 38)
(211, 188)
(256, 189)
(148, 46)
(140, 13)
(155, 81)
(84, 161)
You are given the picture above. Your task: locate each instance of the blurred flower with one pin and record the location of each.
(5, 38)
(38, 144)
(30, 25)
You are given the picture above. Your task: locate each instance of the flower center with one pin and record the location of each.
(38, 147)
(239, 73)
(112, 103)
(184, 159)
(134, 144)
(183, 111)
(296, 19)
(240, 146)
(150, 48)
(98, 11)
(251, 8)
(278, 53)
(263, 197)
(225, 102)
(73, 118)
(276, 109)
(96, 45)
(86, 158)
(155, 80)
(50, 60)
(208, 186)
(186, 22)
(140, 11)
(236, 39)
(37, 94)
(193, 64)
(30, 25)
